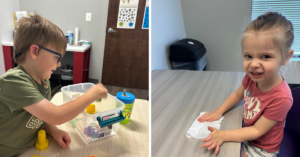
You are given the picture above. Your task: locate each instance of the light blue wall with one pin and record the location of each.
(167, 27)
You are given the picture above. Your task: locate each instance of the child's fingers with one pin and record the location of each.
(211, 128)
(213, 145)
(212, 119)
(217, 149)
(203, 118)
(67, 140)
(207, 144)
(209, 138)
(61, 142)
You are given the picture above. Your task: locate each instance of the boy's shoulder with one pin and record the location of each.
(16, 73)
(16, 76)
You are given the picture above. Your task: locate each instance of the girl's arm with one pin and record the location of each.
(262, 126)
(232, 100)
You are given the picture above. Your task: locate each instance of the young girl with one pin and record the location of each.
(266, 45)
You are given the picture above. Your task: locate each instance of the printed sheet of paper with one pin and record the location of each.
(127, 14)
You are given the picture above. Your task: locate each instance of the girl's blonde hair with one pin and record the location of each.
(273, 21)
(37, 30)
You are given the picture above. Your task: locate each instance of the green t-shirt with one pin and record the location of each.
(19, 128)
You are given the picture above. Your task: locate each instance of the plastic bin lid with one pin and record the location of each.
(127, 99)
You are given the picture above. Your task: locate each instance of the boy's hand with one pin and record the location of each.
(62, 138)
(210, 116)
(214, 140)
(97, 91)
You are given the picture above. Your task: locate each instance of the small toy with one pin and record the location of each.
(91, 109)
(42, 143)
(99, 100)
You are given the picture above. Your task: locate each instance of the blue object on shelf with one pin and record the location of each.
(104, 123)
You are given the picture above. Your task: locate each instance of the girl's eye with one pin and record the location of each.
(266, 57)
(248, 56)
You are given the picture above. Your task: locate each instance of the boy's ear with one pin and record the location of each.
(34, 51)
(289, 55)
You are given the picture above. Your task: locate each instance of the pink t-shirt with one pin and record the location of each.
(273, 105)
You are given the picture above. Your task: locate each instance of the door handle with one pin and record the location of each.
(110, 30)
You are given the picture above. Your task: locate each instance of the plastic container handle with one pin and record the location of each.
(104, 123)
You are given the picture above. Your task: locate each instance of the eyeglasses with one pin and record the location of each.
(60, 55)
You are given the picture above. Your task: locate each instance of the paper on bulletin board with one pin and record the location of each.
(146, 16)
(127, 14)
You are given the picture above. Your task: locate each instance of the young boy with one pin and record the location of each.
(25, 106)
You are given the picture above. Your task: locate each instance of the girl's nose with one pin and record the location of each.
(254, 64)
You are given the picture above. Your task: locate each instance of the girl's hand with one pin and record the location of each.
(214, 140)
(62, 138)
(97, 91)
(210, 116)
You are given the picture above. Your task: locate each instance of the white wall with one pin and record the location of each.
(218, 25)
(167, 27)
(68, 14)
(7, 9)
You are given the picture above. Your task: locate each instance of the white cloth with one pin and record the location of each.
(199, 130)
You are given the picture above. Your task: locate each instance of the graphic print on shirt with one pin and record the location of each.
(251, 105)
(34, 123)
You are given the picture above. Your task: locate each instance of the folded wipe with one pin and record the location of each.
(199, 130)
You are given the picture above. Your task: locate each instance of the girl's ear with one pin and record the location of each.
(289, 55)
(34, 51)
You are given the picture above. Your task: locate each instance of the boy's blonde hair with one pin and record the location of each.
(37, 30)
(273, 21)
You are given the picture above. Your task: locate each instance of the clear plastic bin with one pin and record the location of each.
(87, 125)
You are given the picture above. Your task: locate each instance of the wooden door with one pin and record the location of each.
(126, 51)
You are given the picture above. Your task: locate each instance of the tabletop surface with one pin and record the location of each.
(178, 97)
(81, 48)
(132, 139)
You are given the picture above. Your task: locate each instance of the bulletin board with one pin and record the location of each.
(146, 16)
(127, 14)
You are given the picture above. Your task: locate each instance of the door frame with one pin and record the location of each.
(103, 37)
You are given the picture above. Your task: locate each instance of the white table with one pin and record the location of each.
(132, 139)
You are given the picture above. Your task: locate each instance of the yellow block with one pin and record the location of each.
(91, 109)
(42, 143)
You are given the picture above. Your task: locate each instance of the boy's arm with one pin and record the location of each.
(50, 129)
(56, 115)
(232, 100)
(262, 126)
